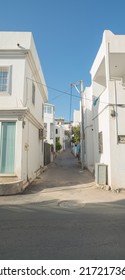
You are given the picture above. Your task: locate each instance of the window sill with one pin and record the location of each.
(4, 93)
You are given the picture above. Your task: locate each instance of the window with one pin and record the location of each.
(56, 130)
(51, 130)
(48, 109)
(5, 79)
(57, 139)
(33, 94)
(100, 142)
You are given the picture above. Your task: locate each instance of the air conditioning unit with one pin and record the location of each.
(101, 173)
(42, 134)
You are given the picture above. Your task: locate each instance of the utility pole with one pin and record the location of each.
(80, 83)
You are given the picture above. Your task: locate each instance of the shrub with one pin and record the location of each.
(58, 146)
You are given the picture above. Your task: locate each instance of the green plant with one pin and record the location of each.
(76, 133)
(58, 146)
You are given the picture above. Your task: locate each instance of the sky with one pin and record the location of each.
(67, 35)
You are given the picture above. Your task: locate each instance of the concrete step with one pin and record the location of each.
(10, 185)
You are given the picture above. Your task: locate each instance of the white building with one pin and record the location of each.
(108, 110)
(22, 96)
(67, 130)
(66, 126)
(88, 158)
(76, 118)
(49, 125)
(60, 134)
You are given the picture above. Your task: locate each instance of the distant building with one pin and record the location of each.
(60, 132)
(66, 126)
(49, 126)
(76, 118)
(59, 121)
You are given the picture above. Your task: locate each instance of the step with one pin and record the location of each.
(10, 185)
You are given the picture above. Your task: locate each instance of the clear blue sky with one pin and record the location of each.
(67, 35)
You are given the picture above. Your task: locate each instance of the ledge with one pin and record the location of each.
(12, 187)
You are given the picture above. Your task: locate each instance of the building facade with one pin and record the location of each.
(76, 118)
(107, 110)
(49, 126)
(22, 96)
(60, 133)
(88, 146)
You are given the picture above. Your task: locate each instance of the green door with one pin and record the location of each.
(7, 147)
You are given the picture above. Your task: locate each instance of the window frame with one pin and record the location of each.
(33, 93)
(48, 109)
(8, 69)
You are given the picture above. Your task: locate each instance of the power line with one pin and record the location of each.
(52, 88)
(67, 93)
(56, 96)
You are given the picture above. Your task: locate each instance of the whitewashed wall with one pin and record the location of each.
(25, 68)
(88, 129)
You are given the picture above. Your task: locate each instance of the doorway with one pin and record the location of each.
(7, 147)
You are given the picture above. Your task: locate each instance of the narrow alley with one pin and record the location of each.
(65, 181)
(65, 171)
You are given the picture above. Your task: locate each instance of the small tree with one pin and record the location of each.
(58, 146)
(76, 132)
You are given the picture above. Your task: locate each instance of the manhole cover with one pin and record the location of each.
(71, 204)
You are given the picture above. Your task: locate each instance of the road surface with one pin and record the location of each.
(63, 215)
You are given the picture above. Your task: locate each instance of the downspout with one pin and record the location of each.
(107, 65)
(82, 125)
(28, 154)
(116, 110)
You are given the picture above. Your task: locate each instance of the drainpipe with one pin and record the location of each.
(116, 110)
(82, 125)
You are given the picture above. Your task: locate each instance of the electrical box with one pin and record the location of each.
(42, 134)
(101, 174)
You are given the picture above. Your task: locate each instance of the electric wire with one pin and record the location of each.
(73, 95)
(56, 97)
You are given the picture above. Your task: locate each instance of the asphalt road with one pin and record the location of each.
(51, 231)
(63, 215)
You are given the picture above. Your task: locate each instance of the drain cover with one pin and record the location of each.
(71, 204)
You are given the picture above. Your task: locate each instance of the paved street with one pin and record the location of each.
(63, 215)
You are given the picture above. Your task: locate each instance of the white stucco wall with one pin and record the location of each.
(88, 129)
(101, 124)
(117, 128)
(14, 99)
(26, 69)
(36, 110)
(109, 66)
(32, 154)
(76, 118)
